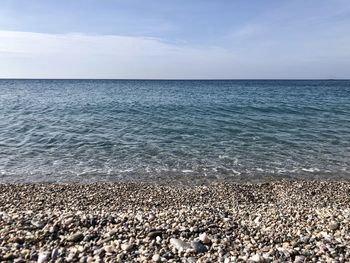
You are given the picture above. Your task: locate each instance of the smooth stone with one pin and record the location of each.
(38, 223)
(204, 238)
(126, 246)
(89, 259)
(108, 249)
(99, 252)
(112, 232)
(179, 244)
(151, 217)
(105, 240)
(156, 258)
(199, 247)
(53, 229)
(191, 260)
(299, 259)
(68, 221)
(334, 226)
(77, 237)
(54, 254)
(43, 257)
(256, 258)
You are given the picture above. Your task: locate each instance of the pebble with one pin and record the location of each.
(108, 249)
(257, 258)
(334, 226)
(54, 254)
(77, 237)
(204, 238)
(156, 258)
(198, 247)
(221, 222)
(299, 259)
(179, 244)
(38, 223)
(127, 247)
(43, 257)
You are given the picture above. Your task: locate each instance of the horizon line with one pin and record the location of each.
(175, 79)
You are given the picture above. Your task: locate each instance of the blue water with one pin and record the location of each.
(98, 130)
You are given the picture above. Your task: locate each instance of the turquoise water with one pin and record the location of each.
(101, 130)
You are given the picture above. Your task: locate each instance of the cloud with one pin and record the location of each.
(74, 55)
(26, 54)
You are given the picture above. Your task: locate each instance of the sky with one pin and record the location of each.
(175, 39)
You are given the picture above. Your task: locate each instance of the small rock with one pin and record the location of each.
(204, 238)
(191, 260)
(83, 259)
(151, 217)
(53, 228)
(156, 258)
(43, 257)
(256, 258)
(70, 257)
(126, 246)
(299, 259)
(108, 249)
(77, 237)
(112, 232)
(179, 244)
(198, 247)
(334, 226)
(68, 221)
(89, 259)
(38, 223)
(54, 254)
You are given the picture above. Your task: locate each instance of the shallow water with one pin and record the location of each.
(105, 130)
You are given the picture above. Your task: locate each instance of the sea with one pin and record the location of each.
(174, 130)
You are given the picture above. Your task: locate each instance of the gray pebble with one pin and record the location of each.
(199, 247)
(179, 244)
(334, 226)
(77, 237)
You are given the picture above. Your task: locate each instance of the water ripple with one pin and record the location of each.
(83, 130)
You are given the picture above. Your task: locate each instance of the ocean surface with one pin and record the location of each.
(111, 130)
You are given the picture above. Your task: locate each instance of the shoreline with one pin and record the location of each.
(176, 180)
(143, 222)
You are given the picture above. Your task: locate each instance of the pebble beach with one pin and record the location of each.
(281, 221)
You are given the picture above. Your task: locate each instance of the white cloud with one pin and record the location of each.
(38, 55)
(25, 54)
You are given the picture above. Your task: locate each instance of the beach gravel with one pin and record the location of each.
(279, 221)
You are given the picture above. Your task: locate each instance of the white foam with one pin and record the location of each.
(310, 169)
